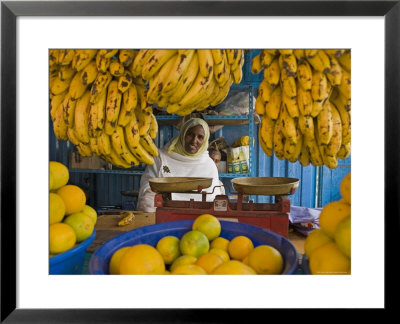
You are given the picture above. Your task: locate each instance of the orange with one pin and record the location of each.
(91, 212)
(342, 236)
(220, 243)
(332, 214)
(194, 243)
(116, 259)
(142, 259)
(183, 259)
(188, 269)
(314, 240)
(82, 225)
(209, 261)
(168, 246)
(329, 260)
(58, 175)
(233, 267)
(239, 247)
(207, 224)
(57, 208)
(74, 198)
(61, 238)
(345, 188)
(221, 253)
(265, 259)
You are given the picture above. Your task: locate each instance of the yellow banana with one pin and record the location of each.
(265, 91)
(279, 140)
(234, 57)
(129, 103)
(334, 52)
(345, 117)
(113, 103)
(345, 85)
(84, 149)
(256, 65)
(144, 119)
(319, 88)
(299, 54)
(206, 62)
(82, 58)
(273, 52)
(289, 64)
(81, 122)
(142, 97)
(273, 106)
(142, 155)
(320, 61)
(222, 93)
(148, 145)
(156, 61)
(267, 131)
(266, 58)
(304, 156)
(120, 147)
(217, 55)
(344, 151)
(99, 85)
(126, 56)
(288, 125)
(288, 84)
(260, 105)
(335, 143)
(102, 63)
(304, 101)
(89, 73)
(306, 126)
(59, 86)
(335, 73)
(116, 68)
(141, 58)
(153, 130)
(263, 145)
(72, 136)
(345, 60)
(93, 145)
(292, 150)
(285, 51)
(93, 121)
(65, 56)
(272, 73)
(55, 102)
(117, 160)
(68, 107)
(237, 73)
(107, 53)
(105, 143)
(125, 81)
(313, 149)
(222, 70)
(304, 75)
(310, 52)
(324, 124)
(317, 107)
(65, 72)
(132, 136)
(59, 126)
(77, 88)
(291, 105)
(101, 109)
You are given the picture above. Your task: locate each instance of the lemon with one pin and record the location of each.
(194, 243)
(183, 259)
(82, 225)
(233, 267)
(142, 259)
(342, 236)
(220, 243)
(265, 259)
(116, 259)
(168, 246)
(239, 247)
(57, 208)
(74, 198)
(59, 175)
(332, 214)
(209, 261)
(61, 238)
(345, 188)
(91, 212)
(221, 253)
(328, 259)
(207, 224)
(188, 269)
(314, 240)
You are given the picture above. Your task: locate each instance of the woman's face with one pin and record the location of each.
(194, 139)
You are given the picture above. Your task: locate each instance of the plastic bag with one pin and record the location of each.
(236, 103)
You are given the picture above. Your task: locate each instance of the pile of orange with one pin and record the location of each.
(328, 248)
(71, 221)
(200, 250)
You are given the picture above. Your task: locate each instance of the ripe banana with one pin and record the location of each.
(313, 149)
(102, 63)
(306, 125)
(273, 106)
(319, 87)
(256, 64)
(288, 84)
(132, 136)
(344, 151)
(120, 147)
(72, 136)
(117, 160)
(99, 85)
(141, 58)
(265, 91)
(59, 126)
(345, 117)
(285, 51)
(142, 155)
(291, 105)
(222, 93)
(93, 145)
(304, 75)
(300, 55)
(293, 150)
(234, 57)
(217, 55)
(206, 62)
(153, 130)
(129, 103)
(101, 109)
(55, 102)
(65, 72)
(289, 64)
(126, 56)
(89, 73)
(113, 104)
(222, 70)
(125, 81)
(304, 156)
(104, 143)
(84, 149)
(289, 128)
(58, 86)
(82, 58)
(77, 88)
(267, 131)
(81, 122)
(107, 53)
(345, 85)
(156, 61)
(237, 73)
(320, 61)
(335, 73)
(304, 101)
(116, 68)
(93, 121)
(334, 52)
(68, 107)
(260, 105)
(266, 58)
(335, 143)
(324, 124)
(148, 144)
(65, 56)
(263, 145)
(345, 60)
(279, 140)
(144, 119)
(272, 73)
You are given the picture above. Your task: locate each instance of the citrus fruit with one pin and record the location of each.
(194, 243)
(82, 225)
(116, 259)
(342, 236)
(61, 238)
(209, 261)
(220, 243)
(239, 247)
(233, 267)
(142, 259)
(59, 174)
(91, 212)
(345, 188)
(188, 269)
(207, 224)
(265, 259)
(314, 240)
(168, 246)
(332, 214)
(246, 260)
(221, 253)
(57, 208)
(74, 198)
(167, 272)
(183, 259)
(328, 259)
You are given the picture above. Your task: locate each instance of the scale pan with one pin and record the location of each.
(179, 184)
(266, 185)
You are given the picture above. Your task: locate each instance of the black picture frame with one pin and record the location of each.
(10, 10)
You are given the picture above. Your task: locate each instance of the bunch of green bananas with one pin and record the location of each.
(305, 104)
(98, 105)
(188, 80)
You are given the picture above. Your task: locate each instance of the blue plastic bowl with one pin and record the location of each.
(71, 261)
(99, 262)
(305, 265)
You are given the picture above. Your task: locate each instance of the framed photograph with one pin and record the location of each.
(29, 28)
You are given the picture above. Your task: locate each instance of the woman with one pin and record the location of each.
(185, 155)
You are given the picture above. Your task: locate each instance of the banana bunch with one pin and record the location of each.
(305, 104)
(97, 104)
(241, 141)
(188, 80)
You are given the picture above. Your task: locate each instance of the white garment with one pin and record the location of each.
(176, 165)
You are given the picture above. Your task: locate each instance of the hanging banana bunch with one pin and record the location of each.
(305, 103)
(98, 104)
